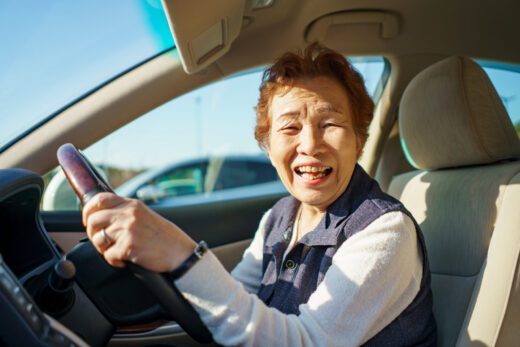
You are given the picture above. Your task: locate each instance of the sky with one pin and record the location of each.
(44, 67)
(216, 119)
(59, 50)
(507, 84)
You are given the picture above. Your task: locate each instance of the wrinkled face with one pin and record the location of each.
(312, 143)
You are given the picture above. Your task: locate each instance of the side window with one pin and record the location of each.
(506, 79)
(199, 143)
(375, 71)
(183, 181)
(170, 182)
(262, 172)
(239, 173)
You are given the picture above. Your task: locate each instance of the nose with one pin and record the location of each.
(310, 140)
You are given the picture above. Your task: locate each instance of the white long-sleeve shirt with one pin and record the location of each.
(374, 276)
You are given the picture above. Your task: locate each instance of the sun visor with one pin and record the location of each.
(203, 30)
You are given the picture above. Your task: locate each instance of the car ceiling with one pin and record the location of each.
(479, 29)
(426, 32)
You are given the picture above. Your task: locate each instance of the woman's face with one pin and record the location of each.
(312, 143)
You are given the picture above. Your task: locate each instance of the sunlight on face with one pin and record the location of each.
(312, 143)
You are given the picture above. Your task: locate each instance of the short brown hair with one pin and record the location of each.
(314, 61)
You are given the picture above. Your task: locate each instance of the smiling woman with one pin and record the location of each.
(320, 255)
(361, 274)
(47, 68)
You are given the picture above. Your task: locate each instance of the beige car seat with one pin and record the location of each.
(465, 194)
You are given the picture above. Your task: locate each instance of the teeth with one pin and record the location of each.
(312, 168)
(312, 177)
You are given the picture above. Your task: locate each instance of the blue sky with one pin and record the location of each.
(45, 67)
(58, 50)
(507, 84)
(216, 119)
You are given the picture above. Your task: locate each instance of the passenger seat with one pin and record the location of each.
(465, 194)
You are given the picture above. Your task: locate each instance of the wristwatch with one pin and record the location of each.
(198, 252)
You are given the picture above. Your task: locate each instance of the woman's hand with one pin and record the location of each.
(135, 233)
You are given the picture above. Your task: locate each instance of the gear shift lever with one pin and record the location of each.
(57, 296)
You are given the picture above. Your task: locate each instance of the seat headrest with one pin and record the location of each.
(450, 115)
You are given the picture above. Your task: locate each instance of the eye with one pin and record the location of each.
(289, 129)
(329, 124)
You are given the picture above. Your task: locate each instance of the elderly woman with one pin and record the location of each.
(338, 262)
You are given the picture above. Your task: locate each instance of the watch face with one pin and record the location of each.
(201, 249)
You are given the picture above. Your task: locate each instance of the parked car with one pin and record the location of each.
(109, 77)
(202, 177)
(164, 186)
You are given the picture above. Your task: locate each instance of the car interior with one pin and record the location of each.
(441, 141)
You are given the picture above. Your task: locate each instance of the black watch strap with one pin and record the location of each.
(198, 252)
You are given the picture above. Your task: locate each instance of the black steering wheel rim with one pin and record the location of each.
(86, 182)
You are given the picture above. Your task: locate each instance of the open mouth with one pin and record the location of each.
(313, 172)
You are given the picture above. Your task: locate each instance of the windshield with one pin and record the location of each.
(55, 52)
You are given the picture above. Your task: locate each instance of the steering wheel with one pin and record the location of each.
(87, 182)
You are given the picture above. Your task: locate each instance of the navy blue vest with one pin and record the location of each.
(286, 286)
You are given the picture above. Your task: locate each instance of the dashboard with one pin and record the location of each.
(22, 243)
(50, 299)
(27, 259)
